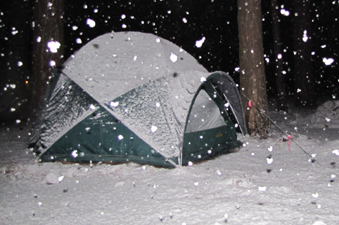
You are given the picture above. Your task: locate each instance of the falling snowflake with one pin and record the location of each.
(53, 46)
(60, 178)
(120, 137)
(90, 23)
(284, 12)
(336, 152)
(200, 42)
(74, 153)
(173, 57)
(328, 61)
(154, 129)
(269, 160)
(262, 188)
(305, 37)
(113, 104)
(91, 107)
(52, 63)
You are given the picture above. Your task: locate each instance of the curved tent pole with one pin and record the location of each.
(236, 92)
(235, 115)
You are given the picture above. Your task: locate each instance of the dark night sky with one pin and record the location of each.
(184, 22)
(215, 21)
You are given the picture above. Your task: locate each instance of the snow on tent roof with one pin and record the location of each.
(109, 65)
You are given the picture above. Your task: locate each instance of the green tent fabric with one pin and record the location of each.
(136, 97)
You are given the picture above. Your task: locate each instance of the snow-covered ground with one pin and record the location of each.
(262, 183)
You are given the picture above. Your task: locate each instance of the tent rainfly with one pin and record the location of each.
(136, 97)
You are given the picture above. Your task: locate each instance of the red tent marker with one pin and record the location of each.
(289, 137)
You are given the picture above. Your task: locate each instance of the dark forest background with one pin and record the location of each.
(183, 22)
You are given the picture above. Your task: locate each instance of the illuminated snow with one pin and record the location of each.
(305, 37)
(154, 129)
(200, 42)
(285, 12)
(52, 63)
(60, 178)
(53, 46)
(120, 137)
(328, 61)
(90, 23)
(173, 57)
(91, 107)
(269, 160)
(113, 104)
(74, 153)
(336, 152)
(262, 188)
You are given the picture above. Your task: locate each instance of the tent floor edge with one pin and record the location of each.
(203, 155)
(108, 159)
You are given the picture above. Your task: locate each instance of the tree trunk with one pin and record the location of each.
(280, 78)
(304, 80)
(48, 30)
(252, 70)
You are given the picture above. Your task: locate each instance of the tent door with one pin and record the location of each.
(209, 131)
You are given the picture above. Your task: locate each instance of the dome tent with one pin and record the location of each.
(135, 97)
